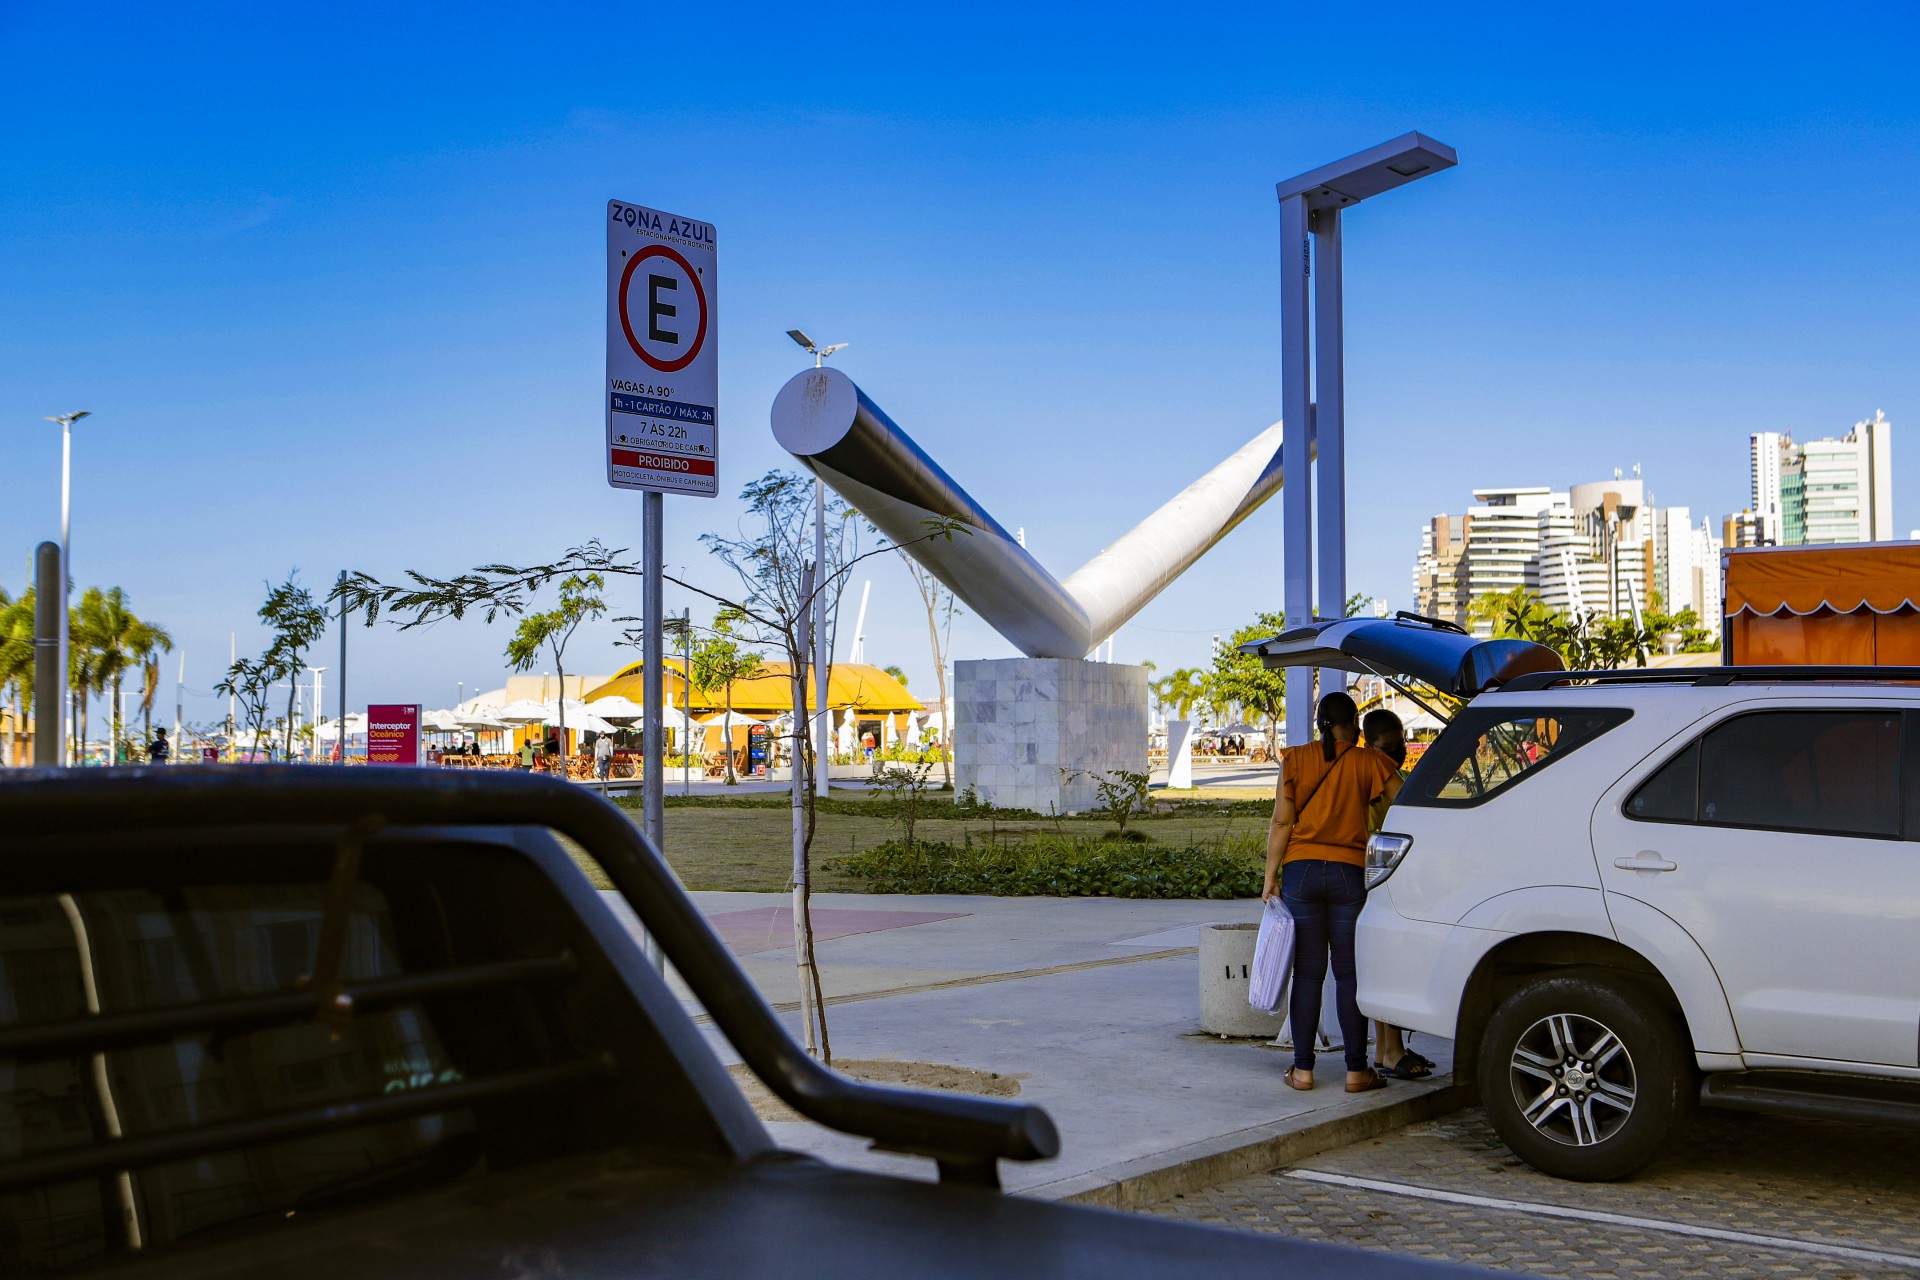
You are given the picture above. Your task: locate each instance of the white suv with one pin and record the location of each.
(1624, 893)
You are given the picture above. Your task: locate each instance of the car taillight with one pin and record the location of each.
(1384, 852)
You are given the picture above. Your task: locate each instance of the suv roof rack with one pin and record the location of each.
(1710, 677)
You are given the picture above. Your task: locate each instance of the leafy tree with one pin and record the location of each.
(1684, 627)
(1243, 678)
(898, 673)
(579, 600)
(718, 661)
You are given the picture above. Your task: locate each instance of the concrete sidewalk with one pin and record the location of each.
(1091, 1004)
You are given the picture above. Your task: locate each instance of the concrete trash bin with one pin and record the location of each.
(1226, 964)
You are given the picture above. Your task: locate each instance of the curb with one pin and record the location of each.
(1133, 1184)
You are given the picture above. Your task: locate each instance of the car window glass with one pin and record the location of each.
(1833, 772)
(1669, 795)
(149, 951)
(1479, 761)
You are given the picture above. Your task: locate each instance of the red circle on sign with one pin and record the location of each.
(699, 296)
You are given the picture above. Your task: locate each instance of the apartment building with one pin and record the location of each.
(1686, 564)
(1823, 491)
(1587, 550)
(1440, 574)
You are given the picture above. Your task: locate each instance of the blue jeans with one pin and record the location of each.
(1325, 899)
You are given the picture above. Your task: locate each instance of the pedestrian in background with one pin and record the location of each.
(1385, 734)
(158, 751)
(526, 755)
(1316, 863)
(603, 758)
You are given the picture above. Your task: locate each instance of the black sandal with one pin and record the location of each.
(1410, 1067)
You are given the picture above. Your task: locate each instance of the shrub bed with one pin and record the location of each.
(1059, 866)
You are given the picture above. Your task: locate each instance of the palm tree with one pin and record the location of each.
(1186, 688)
(121, 643)
(16, 659)
(84, 678)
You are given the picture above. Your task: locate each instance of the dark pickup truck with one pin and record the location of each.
(306, 1022)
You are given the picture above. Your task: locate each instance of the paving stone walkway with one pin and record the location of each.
(1737, 1198)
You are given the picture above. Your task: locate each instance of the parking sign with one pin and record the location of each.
(663, 366)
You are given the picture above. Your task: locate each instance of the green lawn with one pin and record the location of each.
(746, 843)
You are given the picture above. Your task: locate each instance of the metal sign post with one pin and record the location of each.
(663, 386)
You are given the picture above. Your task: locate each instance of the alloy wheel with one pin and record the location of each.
(1573, 1079)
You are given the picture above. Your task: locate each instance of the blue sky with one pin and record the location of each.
(331, 281)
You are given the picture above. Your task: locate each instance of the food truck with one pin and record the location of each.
(1831, 605)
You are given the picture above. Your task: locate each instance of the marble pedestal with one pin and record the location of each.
(1036, 733)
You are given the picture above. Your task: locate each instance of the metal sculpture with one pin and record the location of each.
(823, 419)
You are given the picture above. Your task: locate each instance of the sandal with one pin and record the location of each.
(1290, 1081)
(1373, 1081)
(1410, 1067)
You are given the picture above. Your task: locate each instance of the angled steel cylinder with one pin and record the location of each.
(829, 424)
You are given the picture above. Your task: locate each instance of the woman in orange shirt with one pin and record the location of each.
(1316, 863)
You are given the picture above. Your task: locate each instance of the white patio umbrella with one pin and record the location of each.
(440, 722)
(616, 708)
(480, 720)
(576, 710)
(588, 723)
(524, 711)
(356, 728)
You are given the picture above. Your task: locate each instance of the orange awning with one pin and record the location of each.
(1880, 578)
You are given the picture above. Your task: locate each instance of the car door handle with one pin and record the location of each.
(1646, 860)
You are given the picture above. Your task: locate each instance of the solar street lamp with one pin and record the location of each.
(1312, 375)
(817, 352)
(823, 718)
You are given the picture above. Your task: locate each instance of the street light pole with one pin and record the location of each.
(66, 421)
(316, 710)
(1312, 377)
(822, 657)
(341, 716)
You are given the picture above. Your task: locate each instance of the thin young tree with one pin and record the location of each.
(248, 681)
(579, 601)
(779, 583)
(941, 606)
(297, 623)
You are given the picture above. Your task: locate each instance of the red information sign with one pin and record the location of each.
(393, 733)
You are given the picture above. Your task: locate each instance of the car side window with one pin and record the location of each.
(1482, 754)
(1672, 794)
(1823, 772)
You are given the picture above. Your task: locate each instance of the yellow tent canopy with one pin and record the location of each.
(852, 685)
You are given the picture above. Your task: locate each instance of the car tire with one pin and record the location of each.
(1585, 1075)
